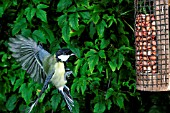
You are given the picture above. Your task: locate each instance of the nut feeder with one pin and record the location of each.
(152, 45)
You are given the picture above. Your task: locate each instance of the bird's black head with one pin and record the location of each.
(63, 54)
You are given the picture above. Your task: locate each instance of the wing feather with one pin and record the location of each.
(29, 55)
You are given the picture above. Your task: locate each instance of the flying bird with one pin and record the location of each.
(42, 66)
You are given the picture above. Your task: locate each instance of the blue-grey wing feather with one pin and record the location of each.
(29, 55)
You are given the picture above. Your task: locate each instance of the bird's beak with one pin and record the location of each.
(72, 54)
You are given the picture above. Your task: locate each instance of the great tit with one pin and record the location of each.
(42, 66)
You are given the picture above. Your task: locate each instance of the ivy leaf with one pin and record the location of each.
(1, 11)
(102, 54)
(4, 57)
(85, 15)
(11, 102)
(90, 53)
(109, 93)
(100, 67)
(95, 18)
(104, 43)
(19, 25)
(100, 28)
(63, 4)
(30, 12)
(93, 61)
(73, 21)
(40, 36)
(76, 107)
(48, 33)
(42, 6)
(83, 86)
(109, 104)
(82, 2)
(66, 32)
(72, 9)
(113, 64)
(62, 20)
(120, 58)
(83, 69)
(18, 83)
(26, 93)
(42, 15)
(125, 40)
(120, 101)
(26, 32)
(78, 64)
(92, 30)
(99, 107)
(89, 44)
(55, 100)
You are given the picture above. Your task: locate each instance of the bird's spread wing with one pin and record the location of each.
(29, 55)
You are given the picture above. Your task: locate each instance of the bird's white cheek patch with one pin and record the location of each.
(64, 57)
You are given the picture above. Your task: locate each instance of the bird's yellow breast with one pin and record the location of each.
(58, 78)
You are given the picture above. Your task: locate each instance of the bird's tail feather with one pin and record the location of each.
(32, 106)
(67, 97)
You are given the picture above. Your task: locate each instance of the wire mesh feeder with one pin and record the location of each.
(152, 45)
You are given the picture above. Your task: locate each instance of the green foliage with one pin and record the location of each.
(96, 31)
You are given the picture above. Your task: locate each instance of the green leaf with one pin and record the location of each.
(66, 32)
(18, 83)
(99, 107)
(1, 11)
(100, 67)
(100, 28)
(85, 15)
(55, 100)
(104, 43)
(109, 93)
(30, 12)
(113, 64)
(62, 20)
(127, 64)
(95, 18)
(93, 61)
(26, 32)
(78, 32)
(89, 44)
(102, 54)
(125, 40)
(90, 53)
(39, 36)
(26, 93)
(82, 2)
(83, 69)
(12, 79)
(92, 30)
(63, 4)
(76, 107)
(109, 104)
(120, 58)
(72, 9)
(73, 21)
(120, 101)
(11, 102)
(78, 64)
(22, 24)
(123, 49)
(42, 15)
(83, 86)
(42, 6)
(4, 58)
(48, 33)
